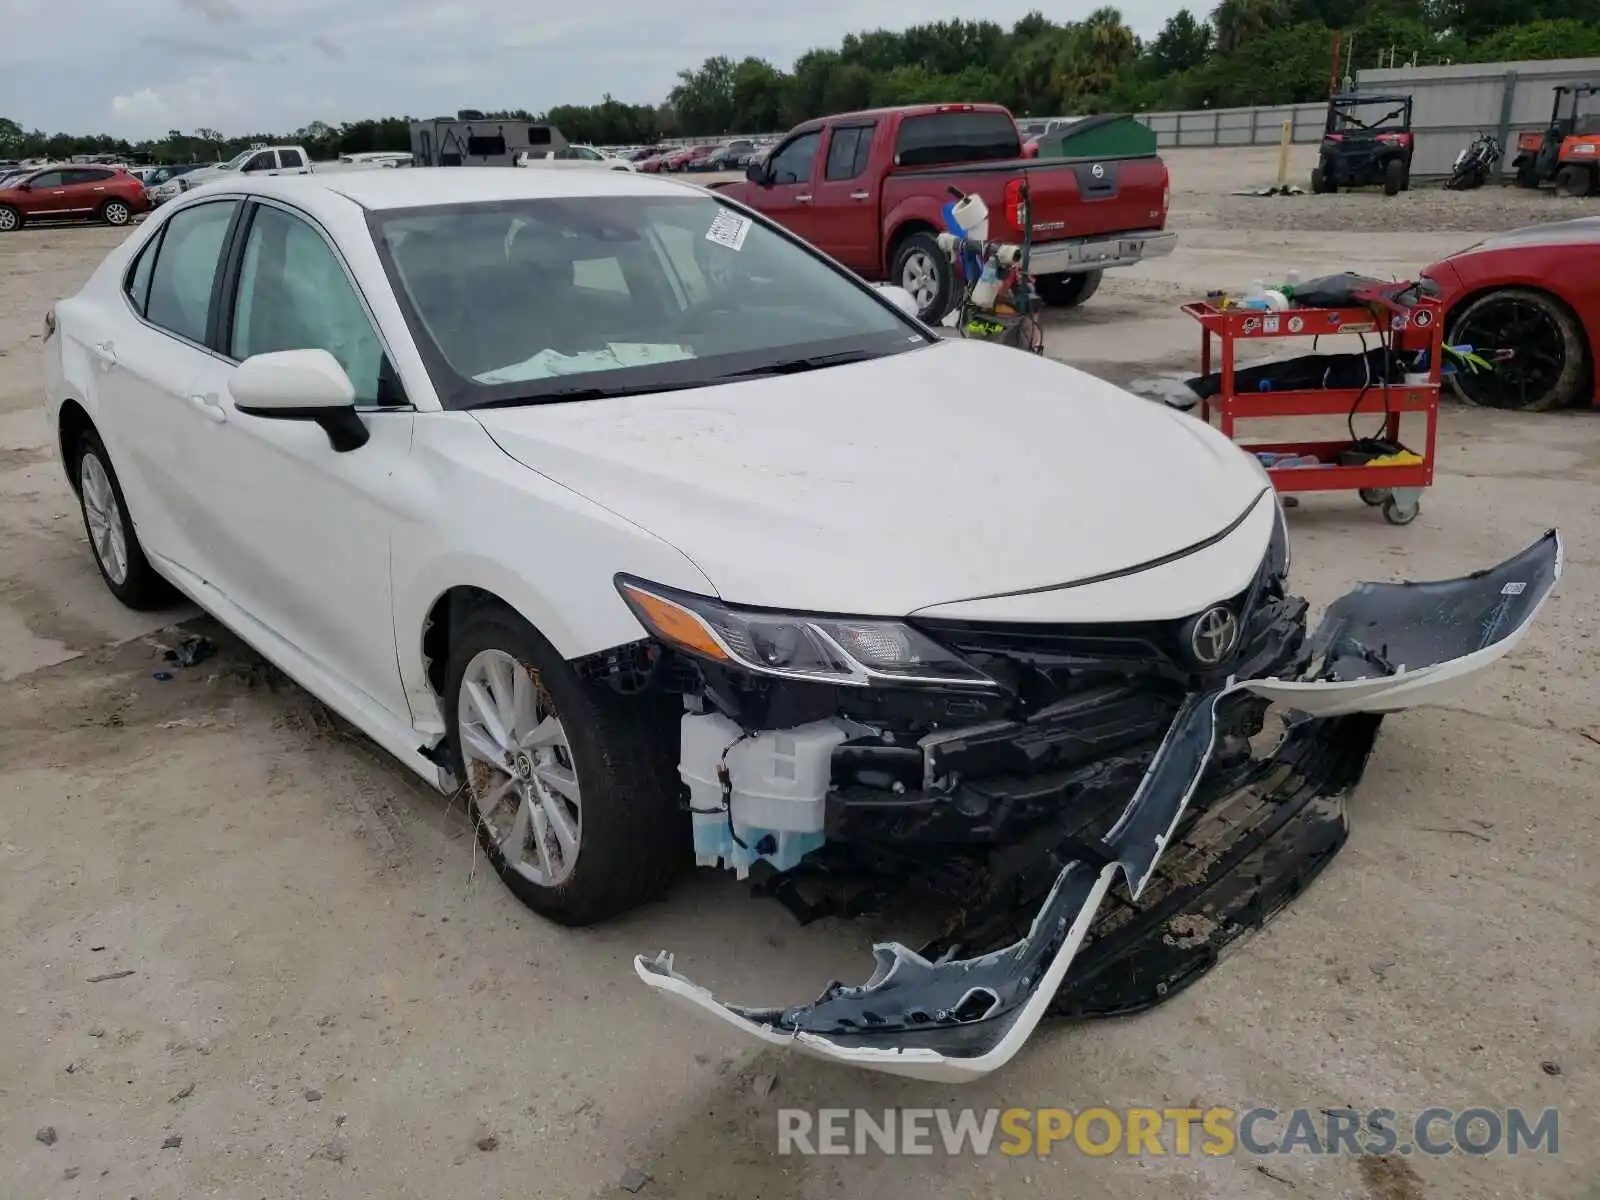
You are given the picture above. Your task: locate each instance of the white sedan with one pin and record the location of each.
(671, 540)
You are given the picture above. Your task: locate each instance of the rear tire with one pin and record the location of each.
(1394, 174)
(1068, 291)
(922, 269)
(612, 759)
(112, 538)
(116, 212)
(1572, 180)
(1527, 176)
(1322, 182)
(10, 219)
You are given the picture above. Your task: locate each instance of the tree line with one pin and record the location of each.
(1244, 52)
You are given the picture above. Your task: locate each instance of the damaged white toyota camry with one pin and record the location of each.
(670, 541)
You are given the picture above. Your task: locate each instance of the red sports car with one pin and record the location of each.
(1528, 302)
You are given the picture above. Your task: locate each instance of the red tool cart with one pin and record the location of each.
(1395, 486)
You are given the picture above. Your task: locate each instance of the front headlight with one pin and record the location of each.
(840, 650)
(1278, 548)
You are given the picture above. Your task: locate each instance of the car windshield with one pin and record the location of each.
(237, 161)
(589, 296)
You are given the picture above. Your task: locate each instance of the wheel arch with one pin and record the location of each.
(72, 422)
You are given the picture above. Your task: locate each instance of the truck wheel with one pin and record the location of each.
(1394, 176)
(922, 269)
(1572, 180)
(1527, 176)
(1066, 291)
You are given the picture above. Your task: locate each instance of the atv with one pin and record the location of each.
(1358, 152)
(1568, 149)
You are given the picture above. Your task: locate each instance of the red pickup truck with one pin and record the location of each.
(869, 189)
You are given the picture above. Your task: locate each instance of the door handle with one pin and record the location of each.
(209, 408)
(859, 195)
(106, 353)
(806, 199)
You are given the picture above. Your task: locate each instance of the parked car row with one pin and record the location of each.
(733, 155)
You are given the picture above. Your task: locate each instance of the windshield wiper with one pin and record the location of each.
(592, 391)
(814, 362)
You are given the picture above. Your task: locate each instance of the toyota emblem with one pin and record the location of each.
(1097, 171)
(1213, 636)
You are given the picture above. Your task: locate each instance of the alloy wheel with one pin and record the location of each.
(116, 213)
(8, 220)
(920, 277)
(520, 769)
(103, 516)
(1532, 363)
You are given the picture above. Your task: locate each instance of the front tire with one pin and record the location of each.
(1394, 177)
(1068, 291)
(112, 537)
(10, 219)
(922, 269)
(1548, 360)
(572, 786)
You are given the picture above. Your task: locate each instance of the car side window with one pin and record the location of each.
(792, 164)
(186, 268)
(846, 159)
(261, 162)
(292, 158)
(294, 295)
(137, 284)
(48, 179)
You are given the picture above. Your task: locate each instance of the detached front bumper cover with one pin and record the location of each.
(1380, 648)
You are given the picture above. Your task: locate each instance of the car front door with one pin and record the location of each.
(298, 535)
(786, 193)
(47, 195)
(846, 198)
(150, 354)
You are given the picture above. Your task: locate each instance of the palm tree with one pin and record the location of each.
(1241, 21)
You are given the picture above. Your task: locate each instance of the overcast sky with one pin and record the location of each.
(141, 67)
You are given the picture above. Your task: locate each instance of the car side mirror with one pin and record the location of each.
(300, 385)
(756, 172)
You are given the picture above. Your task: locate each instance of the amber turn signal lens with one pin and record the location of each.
(674, 624)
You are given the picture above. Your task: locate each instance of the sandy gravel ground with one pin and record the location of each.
(330, 997)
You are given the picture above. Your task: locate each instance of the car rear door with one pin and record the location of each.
(846, 196)
(88, 188)
(292, 162)
(299, 534)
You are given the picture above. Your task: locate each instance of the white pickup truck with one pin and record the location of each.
(258, 160)
(569, 157)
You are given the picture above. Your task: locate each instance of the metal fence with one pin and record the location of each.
(1453, 104)
(1261, 125)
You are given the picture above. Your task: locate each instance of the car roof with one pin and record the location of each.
(422, 187)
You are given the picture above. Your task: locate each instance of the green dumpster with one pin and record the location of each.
(1110, 135)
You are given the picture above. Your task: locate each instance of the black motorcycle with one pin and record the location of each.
(1475, 164)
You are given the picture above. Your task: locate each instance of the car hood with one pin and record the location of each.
(958, 471)
(1580, 230)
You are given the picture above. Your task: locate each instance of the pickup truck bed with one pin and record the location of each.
(869, 189)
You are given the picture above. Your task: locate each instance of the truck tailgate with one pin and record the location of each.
(1080, 197)
(1072, 197)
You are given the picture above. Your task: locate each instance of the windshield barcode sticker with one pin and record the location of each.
(728, 229)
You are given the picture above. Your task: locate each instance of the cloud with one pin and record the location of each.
(186, 104)
(198, 47)
(147, 63)
(220, 12)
